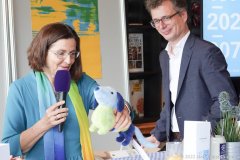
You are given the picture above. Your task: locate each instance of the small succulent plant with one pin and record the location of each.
(228, 125)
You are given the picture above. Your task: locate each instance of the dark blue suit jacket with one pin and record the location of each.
(203, 75)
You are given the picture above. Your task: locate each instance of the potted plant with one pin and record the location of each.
(228, 125)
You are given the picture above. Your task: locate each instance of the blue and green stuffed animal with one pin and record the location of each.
(103, 118)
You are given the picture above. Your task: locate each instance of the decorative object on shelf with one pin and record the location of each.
(196, 14)
(135, 52)
(228, 125)
(103, 118)
(137, 96)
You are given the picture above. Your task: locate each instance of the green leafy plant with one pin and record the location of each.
(228, 126)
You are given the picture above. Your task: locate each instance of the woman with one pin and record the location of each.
(32, 113)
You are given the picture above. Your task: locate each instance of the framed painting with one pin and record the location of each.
(82, 15)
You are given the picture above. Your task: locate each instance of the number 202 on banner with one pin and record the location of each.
(221, 25)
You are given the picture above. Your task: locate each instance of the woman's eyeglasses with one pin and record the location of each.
(62, 54)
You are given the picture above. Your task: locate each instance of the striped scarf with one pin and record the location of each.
(54, 140)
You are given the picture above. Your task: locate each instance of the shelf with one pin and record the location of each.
(138, 27)
(143, 75)
(137, 21)
(138, 120)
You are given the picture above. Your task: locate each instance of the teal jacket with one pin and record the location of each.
(22, 112)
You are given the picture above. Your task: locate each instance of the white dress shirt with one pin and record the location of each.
(175, 57)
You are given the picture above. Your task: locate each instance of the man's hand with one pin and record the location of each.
(153, 139)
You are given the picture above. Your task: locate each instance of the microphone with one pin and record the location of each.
(62, 85)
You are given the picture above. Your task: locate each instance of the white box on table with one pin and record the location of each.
(196, 140)
(4, 151)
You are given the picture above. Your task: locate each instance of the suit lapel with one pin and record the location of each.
(186, 56)
(165, 65)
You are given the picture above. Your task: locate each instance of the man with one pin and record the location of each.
(194, 72)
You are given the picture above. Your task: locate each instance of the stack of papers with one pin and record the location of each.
(138, 153)
(135, 152)
(152, 156)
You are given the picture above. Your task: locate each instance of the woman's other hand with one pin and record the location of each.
(122, 120)
(15, 158)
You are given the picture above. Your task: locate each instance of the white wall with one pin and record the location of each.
(7, 56)
(3, 81)
(114, 58)
(23, 34)
(113, 51)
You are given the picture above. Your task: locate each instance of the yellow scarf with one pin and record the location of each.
(85, 139)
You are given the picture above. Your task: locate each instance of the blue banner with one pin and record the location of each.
(221, 26)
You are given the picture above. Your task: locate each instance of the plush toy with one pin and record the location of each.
(103, 118)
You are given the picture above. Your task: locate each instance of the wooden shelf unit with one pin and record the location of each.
(137, 21)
